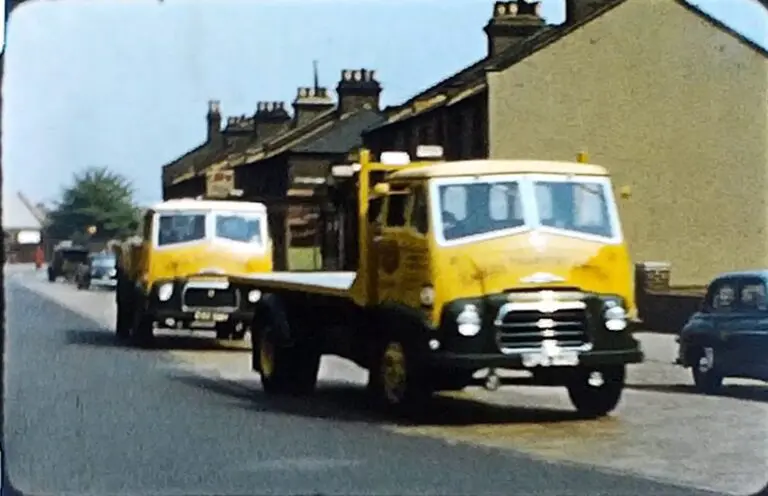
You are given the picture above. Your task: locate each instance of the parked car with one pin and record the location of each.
(728, 336)
(66, 261)
(100, 269)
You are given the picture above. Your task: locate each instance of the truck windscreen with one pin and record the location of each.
(243, 228)
(477, 208)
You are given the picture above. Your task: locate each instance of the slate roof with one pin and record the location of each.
(19, 213)
(343, 136)
(328, 133)
(237, 133)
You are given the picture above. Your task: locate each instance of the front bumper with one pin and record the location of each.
(476, 361)
(187, 316)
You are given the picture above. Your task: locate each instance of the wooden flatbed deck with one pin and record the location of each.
(335, 283)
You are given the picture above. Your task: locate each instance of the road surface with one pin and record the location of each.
(85, 415)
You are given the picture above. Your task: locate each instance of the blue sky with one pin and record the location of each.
(125, 83)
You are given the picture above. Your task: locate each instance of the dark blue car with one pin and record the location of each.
(728, 336)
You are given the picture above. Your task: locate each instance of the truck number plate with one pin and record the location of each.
(559, 359)
(204, 316)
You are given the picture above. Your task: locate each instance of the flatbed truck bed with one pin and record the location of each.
(311, 282)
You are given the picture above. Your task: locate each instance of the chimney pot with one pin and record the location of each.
(214, 106)
(576, 10)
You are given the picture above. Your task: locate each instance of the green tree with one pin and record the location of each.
(98, 204)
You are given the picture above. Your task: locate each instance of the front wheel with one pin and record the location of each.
(142, 329)
(706, 378)
(395, 382)
(288, 370)
(596, 392)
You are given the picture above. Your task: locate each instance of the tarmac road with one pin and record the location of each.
(87, 416)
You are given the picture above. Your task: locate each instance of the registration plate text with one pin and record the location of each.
(206, 316)
(560, 359)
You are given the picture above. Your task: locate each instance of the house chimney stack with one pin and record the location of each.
(270, 119)
(311, 103)
(213, 118)
(577, 10)
(512, 22)
(358, 89)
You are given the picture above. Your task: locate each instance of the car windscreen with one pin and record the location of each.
(240, 227)
(103, 261)
(174, 228)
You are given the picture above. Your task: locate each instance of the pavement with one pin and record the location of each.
(89, 416)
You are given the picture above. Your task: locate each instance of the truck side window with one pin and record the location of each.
(396, 210)
(374, 209)
(419, 213)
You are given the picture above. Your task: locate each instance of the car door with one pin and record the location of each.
(746, 341)
(718, 315)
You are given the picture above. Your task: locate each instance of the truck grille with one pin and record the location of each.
(527, 325)
(210, 298)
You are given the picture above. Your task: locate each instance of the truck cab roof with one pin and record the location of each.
(497, 167)
(212, 205)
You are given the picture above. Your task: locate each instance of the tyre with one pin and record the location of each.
(284, 370)
(142, 328)
(706, 377)
(395, 381)
(224, 333)
(596, 392)
(123, 315)
(51, 276)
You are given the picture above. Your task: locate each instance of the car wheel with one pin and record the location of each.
(706, 377)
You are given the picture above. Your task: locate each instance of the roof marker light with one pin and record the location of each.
(429, 151)
(395, 158)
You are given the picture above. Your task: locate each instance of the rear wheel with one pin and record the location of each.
(286, 369)
(596, 392)
(51, 276)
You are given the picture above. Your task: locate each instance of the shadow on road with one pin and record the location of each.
(735, 391)
(349, 403)
(106, 339)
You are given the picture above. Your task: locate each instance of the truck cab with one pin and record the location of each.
(467, 268)
(175, 276)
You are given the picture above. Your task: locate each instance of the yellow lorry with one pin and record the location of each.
(175, 275)
(466, 268)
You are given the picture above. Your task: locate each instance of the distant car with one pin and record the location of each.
(99, 270)
(728, 336)
(65, 262)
